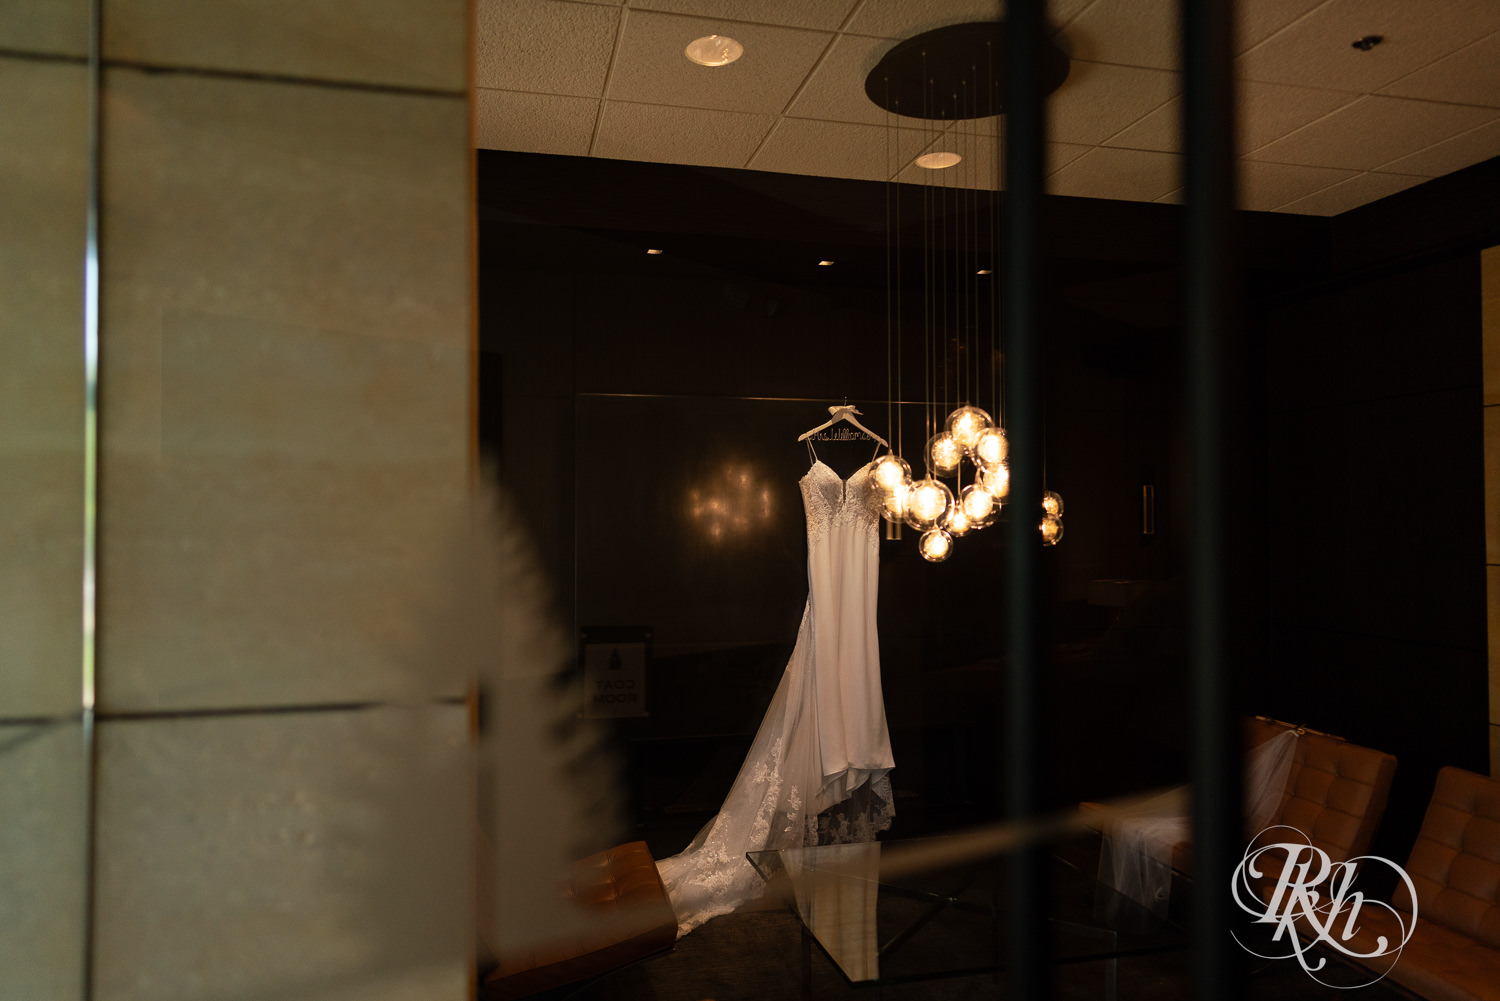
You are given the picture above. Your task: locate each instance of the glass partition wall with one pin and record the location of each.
(46, 472)
(235, 343)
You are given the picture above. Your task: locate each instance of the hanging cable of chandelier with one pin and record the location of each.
(940, 78)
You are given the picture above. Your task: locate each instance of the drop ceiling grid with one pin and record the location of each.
(1432, 89)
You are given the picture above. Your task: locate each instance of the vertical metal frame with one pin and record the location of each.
(1209, 333)
(1210, 336)
(1025, 703)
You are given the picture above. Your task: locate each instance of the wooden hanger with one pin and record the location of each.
(843, 414)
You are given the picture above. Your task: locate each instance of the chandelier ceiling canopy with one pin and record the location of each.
(954, 72)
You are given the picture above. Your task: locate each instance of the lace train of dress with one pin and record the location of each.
(817, 771)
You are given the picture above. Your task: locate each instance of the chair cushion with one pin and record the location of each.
(1335, 792)
(1455, 864)
(1439, 964)
(620, 886)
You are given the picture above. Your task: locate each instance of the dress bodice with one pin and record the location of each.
(832, 501)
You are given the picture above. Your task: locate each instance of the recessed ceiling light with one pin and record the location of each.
(982, 271)
(937, 161)
(824, 264)
(653, 251)
(714, 50)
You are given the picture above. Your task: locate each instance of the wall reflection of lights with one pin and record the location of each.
(732, 505)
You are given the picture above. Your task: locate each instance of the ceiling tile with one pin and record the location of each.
(1159, 130)
(822, 15)
(1373, 131)
(534, 123)
(1463, 150)
(834, 149)
(1059, 155)
(1128, 33)
(1267, 111)
(544, 46)
(1098, 100)
(1346, 195)
(1257, 20)
(1469, 76)
(905, 18)
(1317, 51)
(1266, 186)
(836, 90)
(1130, 175)
(1061, 12)
(992, 125)
(679, 135)
(976, 170)
(651, 69)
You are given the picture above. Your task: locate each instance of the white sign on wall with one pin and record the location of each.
(614, 678)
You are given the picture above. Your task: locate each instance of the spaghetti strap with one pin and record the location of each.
(812, 453)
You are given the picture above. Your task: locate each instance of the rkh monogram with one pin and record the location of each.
(1315, 894)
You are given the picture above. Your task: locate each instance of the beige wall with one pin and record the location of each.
(44, 170)
(279, 793)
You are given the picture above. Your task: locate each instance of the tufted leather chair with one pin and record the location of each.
(622, 887)
(1454, 954)
(1335, 792)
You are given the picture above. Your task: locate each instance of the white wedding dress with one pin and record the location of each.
(817, 772)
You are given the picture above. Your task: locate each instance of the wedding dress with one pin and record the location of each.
(817, 771)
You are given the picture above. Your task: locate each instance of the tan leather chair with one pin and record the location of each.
(622, 884)
(1454, 954)
(1335, 792)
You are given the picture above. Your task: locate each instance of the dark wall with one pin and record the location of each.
(617, 384)
(1377, 601)
(1377, 627)
(623, 391)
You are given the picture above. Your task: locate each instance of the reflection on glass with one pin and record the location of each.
(46, 179)
(732, 505)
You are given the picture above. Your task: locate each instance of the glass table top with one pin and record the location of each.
(893, 911)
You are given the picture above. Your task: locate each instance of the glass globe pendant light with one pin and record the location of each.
(891, 471)
(956, 522)
(996, 480)
(990, 447)
(962, 344)
(944, 453)
(895, 503)
(965, 423)
(928, 500)
(978, 505)
(935, 545)
(1052, 530)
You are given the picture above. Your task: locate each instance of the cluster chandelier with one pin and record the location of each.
(940, 77)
